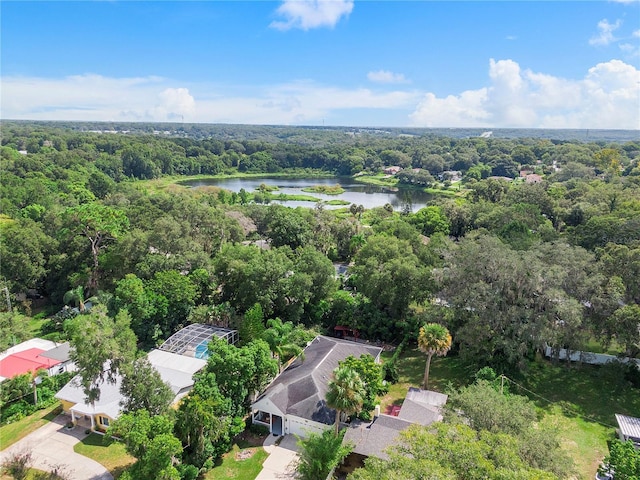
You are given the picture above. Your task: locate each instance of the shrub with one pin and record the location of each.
(17, 411)
(258, 429)
(17, 465)
(390, 371)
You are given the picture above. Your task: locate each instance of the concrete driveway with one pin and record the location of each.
(52, 444)
(280, 464)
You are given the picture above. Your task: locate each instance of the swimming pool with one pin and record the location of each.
(202, 350)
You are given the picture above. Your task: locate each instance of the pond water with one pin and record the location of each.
(369, 196)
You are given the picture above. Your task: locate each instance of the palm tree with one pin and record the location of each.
(278, 336)
(346, 392)
(434, 339)
(76, 297)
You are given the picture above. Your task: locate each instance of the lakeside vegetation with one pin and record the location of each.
(325, 189)
(554, 261)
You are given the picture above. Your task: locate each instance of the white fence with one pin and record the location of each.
(589, 357)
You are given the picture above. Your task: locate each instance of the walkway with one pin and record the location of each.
(280, 464)
(52, 445)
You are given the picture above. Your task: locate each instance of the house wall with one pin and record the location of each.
(103, 422)
(266, 405)
(66, 406)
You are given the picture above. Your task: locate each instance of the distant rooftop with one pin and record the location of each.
(193, 339)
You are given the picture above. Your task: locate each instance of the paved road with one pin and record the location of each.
(52, 444)
(280, 464)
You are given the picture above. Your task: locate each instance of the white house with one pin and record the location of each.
(177, 360)
(294, 403)
(174, 369)
(61, 353)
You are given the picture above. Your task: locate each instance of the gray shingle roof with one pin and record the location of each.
(375, 438)
(61, 352)
(300, 390)
(422, 407)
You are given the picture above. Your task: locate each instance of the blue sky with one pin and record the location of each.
(542, 64)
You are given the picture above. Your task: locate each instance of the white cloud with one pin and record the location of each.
(385, 76)
(94, 97)
(308, 14)
(175, 103)
(607, 97)
(605, 32)
(636, 33)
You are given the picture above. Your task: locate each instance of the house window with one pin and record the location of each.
(104, 421)
(263, 417)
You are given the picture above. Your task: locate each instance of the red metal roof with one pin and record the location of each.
(24, 362)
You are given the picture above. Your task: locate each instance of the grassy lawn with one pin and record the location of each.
(11, 433)
(109, 453)
(580, 401)
(444, 372)
(235, 466)
(30, 474)
(379, 179)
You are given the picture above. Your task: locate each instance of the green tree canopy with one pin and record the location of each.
(100, 347)
(346, 393)
(451, 452)
(150, 439)
(389, 273)
(142, 388)
(433, 339)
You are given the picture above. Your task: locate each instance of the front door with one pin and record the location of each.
(276, 424)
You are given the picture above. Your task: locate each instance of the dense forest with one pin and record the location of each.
(521, 264)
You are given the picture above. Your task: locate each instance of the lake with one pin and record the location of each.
(369, 196)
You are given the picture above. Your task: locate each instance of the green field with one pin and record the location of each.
(580, 401)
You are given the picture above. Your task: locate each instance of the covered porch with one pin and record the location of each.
(270, 420)
(85, 417)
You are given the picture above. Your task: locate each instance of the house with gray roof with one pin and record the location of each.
(420, 407)
(294, 403)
